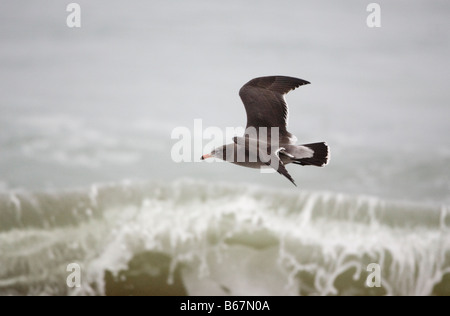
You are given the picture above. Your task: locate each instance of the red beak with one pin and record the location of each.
(206, 156)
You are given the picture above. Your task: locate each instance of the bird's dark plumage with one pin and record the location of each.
(265, 104)
(266, 108)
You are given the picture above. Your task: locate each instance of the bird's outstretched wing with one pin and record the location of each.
(261, 150)
(266, 105)
(278, 165)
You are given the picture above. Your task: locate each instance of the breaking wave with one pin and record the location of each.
(197, 238)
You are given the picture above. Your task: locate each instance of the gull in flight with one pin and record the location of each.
(266, 141)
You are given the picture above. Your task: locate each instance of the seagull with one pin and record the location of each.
(266, 141)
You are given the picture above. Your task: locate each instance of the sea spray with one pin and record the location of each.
(219, 239)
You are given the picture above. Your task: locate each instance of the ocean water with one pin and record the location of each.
(192, 238)
(87, 178)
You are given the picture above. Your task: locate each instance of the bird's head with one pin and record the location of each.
(219, 152)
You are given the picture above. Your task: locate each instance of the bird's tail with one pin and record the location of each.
(320, 155)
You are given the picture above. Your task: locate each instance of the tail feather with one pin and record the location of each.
(320, 155)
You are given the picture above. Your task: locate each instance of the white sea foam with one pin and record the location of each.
(236, 240)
